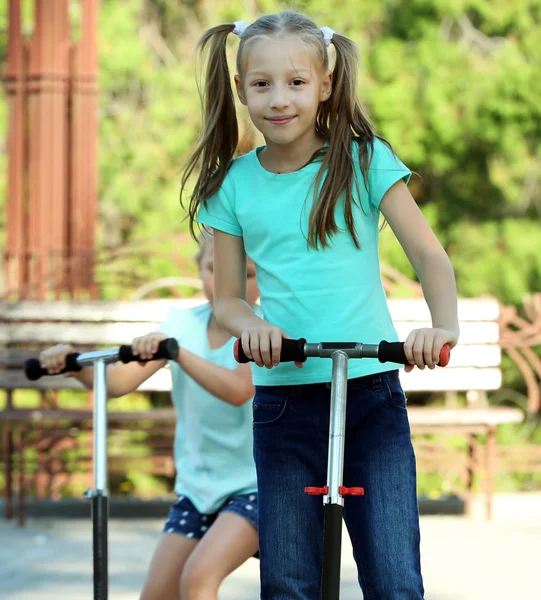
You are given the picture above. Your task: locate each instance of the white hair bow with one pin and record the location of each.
(240, 27)
(327, 35)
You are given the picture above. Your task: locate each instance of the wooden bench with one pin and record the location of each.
(28, 327)
(25, 327)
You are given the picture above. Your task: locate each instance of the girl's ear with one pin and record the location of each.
(240, 91)
(326, 87)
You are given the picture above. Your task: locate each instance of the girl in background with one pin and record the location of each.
(211, 528)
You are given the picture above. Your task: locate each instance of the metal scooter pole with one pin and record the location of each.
(100, 494)
(334, 492)
(167, 349)
(334, 502)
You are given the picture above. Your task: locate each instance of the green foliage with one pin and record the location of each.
(453, 84)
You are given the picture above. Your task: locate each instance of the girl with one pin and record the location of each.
(306, 206)
(211, 528)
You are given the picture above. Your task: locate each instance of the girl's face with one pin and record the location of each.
(206, 272)
(283, 85)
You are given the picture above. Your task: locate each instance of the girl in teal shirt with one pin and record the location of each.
(306, 208)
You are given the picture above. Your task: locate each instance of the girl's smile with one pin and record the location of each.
(282, 120)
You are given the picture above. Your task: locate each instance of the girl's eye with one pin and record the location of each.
(297, 82)
(260, 83)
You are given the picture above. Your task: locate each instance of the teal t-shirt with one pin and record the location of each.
(324, 295)
(213, 440)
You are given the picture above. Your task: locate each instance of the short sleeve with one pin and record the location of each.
(385, 170)
(218, 211)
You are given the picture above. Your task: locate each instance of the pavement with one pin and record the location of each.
(464, 558)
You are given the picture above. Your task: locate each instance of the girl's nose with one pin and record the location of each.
(279, 98)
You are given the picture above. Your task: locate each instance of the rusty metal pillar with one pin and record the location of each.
(83, 146)
(14, 81)
(48, 75)
(52, 190)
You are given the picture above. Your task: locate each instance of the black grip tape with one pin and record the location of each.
(34, 371)
(392, 352)
(167, 349)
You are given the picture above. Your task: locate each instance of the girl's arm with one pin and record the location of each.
(434, 271)
(230, 306)
(232, 386)
(260, 340)
(121, 379)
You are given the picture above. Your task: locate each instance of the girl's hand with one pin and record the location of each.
(145, 347)
(54, 359)
(263, 344)
(423, 346)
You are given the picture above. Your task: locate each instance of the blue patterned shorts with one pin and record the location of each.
(184, 519)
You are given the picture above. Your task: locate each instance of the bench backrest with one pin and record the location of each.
(27, 325)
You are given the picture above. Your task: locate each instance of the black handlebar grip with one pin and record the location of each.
(394, 352)
(167, 349)
(34, 371)
(292, 350)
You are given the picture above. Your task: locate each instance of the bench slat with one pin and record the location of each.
(449, 379)
(470, 332)
(469, 309)
(460, 379)
(97, 311)
(123, 333)
(485, 309)
(16, 380)
(420, 416)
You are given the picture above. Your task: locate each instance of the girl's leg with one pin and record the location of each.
(291, 426)
(184, 527)
(163, 577)
(229, 542)
(384, 523)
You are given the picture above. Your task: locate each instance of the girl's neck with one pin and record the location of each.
(280, 158)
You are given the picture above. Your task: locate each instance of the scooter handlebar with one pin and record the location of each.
(294, 350)
(167, 349)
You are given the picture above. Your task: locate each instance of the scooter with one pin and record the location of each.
(333, 492)
(99, 495)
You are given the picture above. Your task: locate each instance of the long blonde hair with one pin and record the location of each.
(339, 120)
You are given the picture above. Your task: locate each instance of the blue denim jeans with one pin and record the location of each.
(291, 430)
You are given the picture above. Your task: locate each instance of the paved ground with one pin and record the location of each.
(463, 559)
